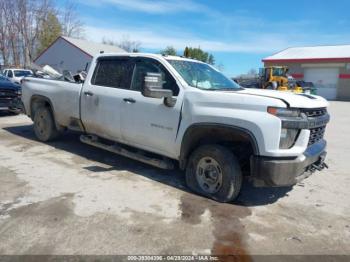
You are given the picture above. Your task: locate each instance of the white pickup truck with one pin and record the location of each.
(175, 112)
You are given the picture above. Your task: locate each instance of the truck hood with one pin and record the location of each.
(291, 99)
(8, 85)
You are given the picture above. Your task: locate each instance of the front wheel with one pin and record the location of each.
(272, 86)
(14, 111)
(214, 171)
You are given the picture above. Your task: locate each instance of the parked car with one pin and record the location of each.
(170, 111)
(16, 75)
(10, 95)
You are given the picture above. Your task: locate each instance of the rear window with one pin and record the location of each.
(115, 73)
(19, 73)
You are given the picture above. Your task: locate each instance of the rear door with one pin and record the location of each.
(101, 99)
(147, 122)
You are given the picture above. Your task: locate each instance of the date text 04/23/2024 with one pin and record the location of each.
(173, 258)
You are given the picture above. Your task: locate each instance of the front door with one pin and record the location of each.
(101, 101)
(147, 122)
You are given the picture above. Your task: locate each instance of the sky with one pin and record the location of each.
(238, 33)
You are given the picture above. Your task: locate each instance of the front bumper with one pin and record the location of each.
(267, 171)
(10, 103)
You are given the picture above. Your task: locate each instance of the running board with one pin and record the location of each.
(115, 148)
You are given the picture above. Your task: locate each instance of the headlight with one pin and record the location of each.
(19, 92)
(288, 137)
(283, 112)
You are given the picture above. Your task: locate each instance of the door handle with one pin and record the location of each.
(129, 100)
(88, 93)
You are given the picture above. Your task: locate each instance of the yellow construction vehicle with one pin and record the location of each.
(276, 78)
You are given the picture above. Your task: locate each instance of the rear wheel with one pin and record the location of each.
(44, 125)
(214, 171)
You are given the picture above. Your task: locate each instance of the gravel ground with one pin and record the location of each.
(69, 198)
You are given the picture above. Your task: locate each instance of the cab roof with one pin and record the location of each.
(21, 69)
(150, 55)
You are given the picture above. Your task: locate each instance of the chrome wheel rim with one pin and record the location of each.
(209, 175)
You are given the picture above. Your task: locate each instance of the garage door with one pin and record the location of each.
(324, 79)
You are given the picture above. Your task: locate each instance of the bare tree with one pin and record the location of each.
(220, 67)
(252, 72)
(107, 41)
(11, 35)
(22, 22)
(72, 26)
(3, 38)
(31, 15)
(128, 45)
(3, 34)
(169, 50)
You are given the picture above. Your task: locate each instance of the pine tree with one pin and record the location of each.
(199, 54)
(186, 52)
(50, 30)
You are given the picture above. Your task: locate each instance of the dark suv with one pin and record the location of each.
(10, 95)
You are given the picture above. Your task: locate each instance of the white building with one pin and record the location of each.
(67, 53)
(328, 67)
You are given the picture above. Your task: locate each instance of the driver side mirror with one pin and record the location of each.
(153, 87)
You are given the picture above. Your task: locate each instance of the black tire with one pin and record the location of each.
(14, 111)
(44, 125)
(225, 163)
(272, 86)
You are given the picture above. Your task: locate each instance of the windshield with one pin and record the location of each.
(203, 76)
(19, 73)
(278, 71)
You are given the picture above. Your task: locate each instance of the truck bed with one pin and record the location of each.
(63, 96)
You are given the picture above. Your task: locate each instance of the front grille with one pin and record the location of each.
(7, 93)
(314, 112)
(316, 134)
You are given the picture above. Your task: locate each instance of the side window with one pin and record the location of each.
(144, 66)
(115, 73)
(10, 74)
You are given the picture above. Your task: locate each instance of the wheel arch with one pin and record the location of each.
(203, 133)
(39, 100)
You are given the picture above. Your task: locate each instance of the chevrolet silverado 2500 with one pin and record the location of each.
(171, 111)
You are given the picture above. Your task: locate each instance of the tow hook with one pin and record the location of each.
(318, 166)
